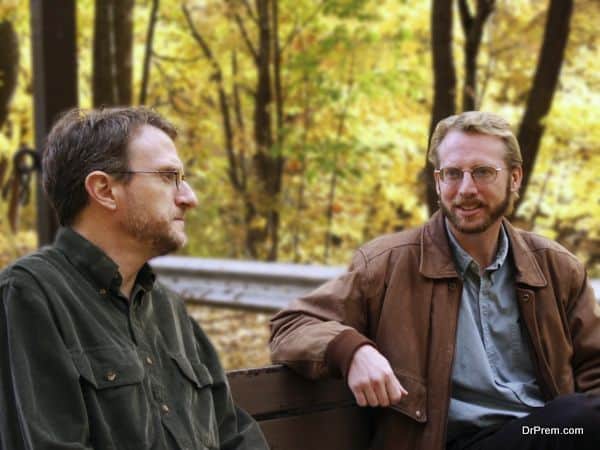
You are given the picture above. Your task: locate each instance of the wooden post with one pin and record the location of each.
(55, 84)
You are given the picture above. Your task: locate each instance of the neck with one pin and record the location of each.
(482, 247)
(123, 250)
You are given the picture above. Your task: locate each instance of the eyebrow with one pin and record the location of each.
(169, 169)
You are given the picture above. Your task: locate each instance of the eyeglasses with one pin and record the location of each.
(480, 175)
(173, 176)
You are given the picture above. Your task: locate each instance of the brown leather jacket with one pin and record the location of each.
(402, 292)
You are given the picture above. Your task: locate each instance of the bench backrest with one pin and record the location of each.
(299, 414)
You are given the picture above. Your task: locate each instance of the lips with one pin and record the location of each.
(468, 209)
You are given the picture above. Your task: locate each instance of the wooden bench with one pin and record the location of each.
(299, 414)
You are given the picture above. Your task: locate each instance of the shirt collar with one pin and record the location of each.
(463, 260)
(90, 259)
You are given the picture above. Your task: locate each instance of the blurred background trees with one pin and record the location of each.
(304, 123)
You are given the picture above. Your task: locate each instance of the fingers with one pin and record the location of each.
(379, 386)
(371, 394)
(372, 380)
(384, 392)
(360, 397)
(395, 390)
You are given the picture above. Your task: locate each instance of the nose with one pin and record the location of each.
(185, 196)
(467, 184)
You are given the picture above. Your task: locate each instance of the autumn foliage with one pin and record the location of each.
(305, 123)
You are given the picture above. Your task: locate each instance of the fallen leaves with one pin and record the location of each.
(240, 337)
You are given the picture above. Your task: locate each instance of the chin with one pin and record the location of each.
(471, 228)
(169, 243)
(466, 226)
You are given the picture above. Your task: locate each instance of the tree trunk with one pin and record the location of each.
(260, 186)
(123, 51)
(112, 59)
(545, 81)
(444, 89)
(9, 65)
(266, 163)
(473, 29)
(148, 52)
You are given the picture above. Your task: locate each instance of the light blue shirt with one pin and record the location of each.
(493, 377)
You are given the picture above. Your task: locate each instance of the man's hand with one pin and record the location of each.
(372, 380)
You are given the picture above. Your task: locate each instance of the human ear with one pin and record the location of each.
(99, 186)
(436, 180)
(516, 177)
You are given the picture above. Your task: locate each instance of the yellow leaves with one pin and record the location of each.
(8, 9)
(12, 245)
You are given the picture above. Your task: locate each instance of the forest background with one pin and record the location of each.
(304, 124)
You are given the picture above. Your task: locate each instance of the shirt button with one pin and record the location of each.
(111, 376)
(149, 360)
(526, 297)
(418, 413)
(452, 285)
(102, 291)
(165, 408)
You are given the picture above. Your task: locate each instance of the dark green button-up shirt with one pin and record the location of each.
(83, 367)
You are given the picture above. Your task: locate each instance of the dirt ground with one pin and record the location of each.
(241, 337)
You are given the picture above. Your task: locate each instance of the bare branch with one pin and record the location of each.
(233, 163)
(251, 13)
(199, 39)
(236, 92)
(237, 105)
(148, 53)
(245, 36)
(169, 58)
(173, 94)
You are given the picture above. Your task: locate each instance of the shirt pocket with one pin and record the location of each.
(414, 405)
(112, 385)
(196, 408)
(109, 367)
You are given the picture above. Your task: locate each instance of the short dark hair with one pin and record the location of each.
(83, 141)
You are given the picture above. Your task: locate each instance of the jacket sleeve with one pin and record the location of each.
(583, 314)
(319, 333)
(237, 429)
(41, 403)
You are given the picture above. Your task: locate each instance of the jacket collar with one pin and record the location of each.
(437, 261)
(436, 256)
(528, 271)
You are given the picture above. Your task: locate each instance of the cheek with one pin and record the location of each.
(447, 192)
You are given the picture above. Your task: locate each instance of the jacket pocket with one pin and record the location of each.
(414, 405)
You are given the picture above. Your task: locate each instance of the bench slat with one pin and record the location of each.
(339, 429)
(277, 391)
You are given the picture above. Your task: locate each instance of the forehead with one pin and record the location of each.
(462, 149)
(152, 148)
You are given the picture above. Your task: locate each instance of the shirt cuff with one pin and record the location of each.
(341, 350)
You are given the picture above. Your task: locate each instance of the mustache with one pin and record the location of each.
(469, 203)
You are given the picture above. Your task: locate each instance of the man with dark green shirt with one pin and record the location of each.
(94, 354)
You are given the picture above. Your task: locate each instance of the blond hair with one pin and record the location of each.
(476, 122)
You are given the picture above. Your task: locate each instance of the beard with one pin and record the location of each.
(492, 215)
(159, 235)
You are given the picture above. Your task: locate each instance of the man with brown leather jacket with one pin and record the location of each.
(465, 333)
